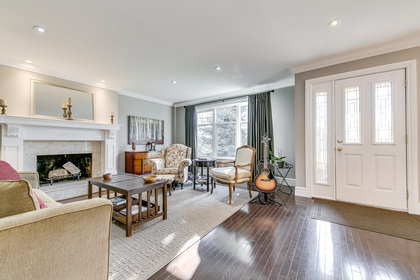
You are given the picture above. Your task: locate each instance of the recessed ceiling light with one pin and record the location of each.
(173, 81)
(218, 68)
(28, 61)
(39, 28)
(102, 81)
(334, 22)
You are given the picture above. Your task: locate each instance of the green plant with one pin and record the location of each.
(274, 159)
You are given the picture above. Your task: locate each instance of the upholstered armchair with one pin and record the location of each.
(174, 161)
(240, 172)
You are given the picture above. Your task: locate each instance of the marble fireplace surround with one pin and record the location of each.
(23, 138)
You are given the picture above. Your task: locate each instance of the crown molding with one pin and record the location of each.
(358, 54)
(288, 82)
(53, 73)
(57, 74)
(144, 97)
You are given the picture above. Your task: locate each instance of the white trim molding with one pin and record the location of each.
(413, 201)
(288, 82)
(358, 54)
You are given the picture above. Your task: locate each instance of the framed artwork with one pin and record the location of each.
(143, 131)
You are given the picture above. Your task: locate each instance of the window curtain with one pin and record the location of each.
(260, 122)
(191, 129)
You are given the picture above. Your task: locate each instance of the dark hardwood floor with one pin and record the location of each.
(272, 242)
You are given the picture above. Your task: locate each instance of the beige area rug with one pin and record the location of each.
(399, 224)
(191, 215)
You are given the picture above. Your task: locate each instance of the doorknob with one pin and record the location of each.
(339, 141)
(339, 149)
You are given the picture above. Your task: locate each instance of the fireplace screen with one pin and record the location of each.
(53, 168)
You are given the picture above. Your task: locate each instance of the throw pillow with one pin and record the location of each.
(42, 205)
(7, 172)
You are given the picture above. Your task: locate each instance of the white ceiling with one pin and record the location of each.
(139, 46)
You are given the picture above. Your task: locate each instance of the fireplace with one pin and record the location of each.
(25, 138)
(53, 168)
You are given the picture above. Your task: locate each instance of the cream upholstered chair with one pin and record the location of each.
(239, 173)
(174, 161)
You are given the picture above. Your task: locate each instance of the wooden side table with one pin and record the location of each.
(203, 163)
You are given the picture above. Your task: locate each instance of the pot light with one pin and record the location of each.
(173, 81)
(334, 22)
(39, 28)
(217, 68)
(28, 61)
(103, 81)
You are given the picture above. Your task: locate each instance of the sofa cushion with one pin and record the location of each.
(16, 197)
(7, 172)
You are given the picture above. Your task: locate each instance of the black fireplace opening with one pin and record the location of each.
(63, 167)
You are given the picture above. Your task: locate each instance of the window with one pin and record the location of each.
(221, 129)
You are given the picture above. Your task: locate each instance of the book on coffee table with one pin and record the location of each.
(117, 201)
(134, 210)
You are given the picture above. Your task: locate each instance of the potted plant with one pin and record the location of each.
(279, 159)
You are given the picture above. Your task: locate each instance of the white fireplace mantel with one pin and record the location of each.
(17, 129)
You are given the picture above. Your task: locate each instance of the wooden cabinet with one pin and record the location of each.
(138, 162)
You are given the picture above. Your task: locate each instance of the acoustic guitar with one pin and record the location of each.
(265, 181)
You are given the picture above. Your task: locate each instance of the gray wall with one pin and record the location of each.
(393, 57)
(282, 102)
(15, 87)
(128, 106)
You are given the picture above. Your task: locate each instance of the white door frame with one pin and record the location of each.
(411, 119)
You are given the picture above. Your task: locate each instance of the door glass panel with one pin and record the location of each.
(352, 114)
(384, 131)
(321, 143)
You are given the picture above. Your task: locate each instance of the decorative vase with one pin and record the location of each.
(133, 146)
(281, 164)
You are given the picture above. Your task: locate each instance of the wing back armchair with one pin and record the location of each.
(174, 161)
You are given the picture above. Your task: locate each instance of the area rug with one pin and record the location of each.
(191, 215)
(388, 222)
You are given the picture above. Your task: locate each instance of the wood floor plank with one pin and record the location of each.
(273, 242)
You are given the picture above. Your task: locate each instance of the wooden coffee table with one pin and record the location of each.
(130, 185)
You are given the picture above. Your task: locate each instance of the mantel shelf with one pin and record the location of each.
(46, 122)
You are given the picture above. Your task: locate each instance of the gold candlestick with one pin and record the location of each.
(3, 109)
(69, 113)
(64, 114)
(112, 119)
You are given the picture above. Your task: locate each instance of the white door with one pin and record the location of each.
(370, 140)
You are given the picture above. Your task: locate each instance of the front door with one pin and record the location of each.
(370, 144)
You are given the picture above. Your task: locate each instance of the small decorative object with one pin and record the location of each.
(152, 146)
(149, 179)
(133, 146)
(112, 117)
(64, 107)
(3, 105)
(69, 113)
(107, 176)
(279, 159)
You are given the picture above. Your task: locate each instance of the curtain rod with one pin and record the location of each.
(223, 100)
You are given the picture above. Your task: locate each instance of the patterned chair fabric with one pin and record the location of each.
(174, 161)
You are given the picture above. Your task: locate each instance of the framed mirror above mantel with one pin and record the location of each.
(48, 100)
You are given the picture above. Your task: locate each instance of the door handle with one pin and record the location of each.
(339, 149)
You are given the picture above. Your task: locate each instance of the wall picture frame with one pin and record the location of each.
(142, 131)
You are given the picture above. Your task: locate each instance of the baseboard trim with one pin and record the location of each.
(302, 192)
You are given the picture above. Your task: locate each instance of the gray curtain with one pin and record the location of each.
(260, 122)
(191, 129)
